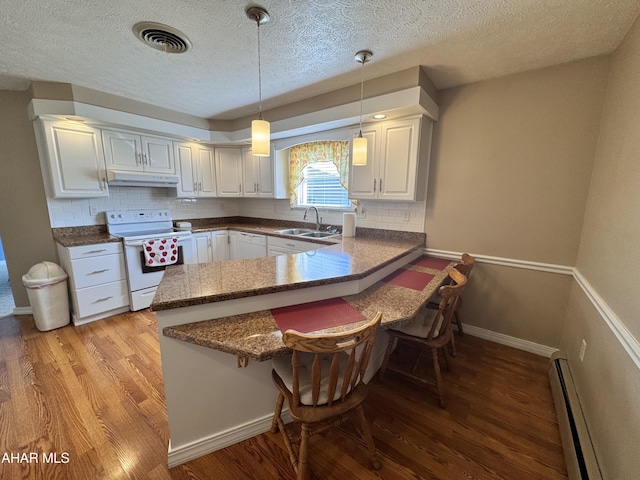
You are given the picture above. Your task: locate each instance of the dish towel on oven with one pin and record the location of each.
(160, 252)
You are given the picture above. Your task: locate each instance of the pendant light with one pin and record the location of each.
(360, 143)
(260, 128)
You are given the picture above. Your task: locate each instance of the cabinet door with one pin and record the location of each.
(206, 171)
(233, 245)
(399, 152)
(363, 179)
(73, 159)
(122, 150)
(229, 172)
(157, 155)
(219, 246)
(257, 175)
(202, 243)
(186, 167)
(250, 173)
(265, 176)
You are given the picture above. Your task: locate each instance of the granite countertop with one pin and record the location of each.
(79, 236)
(348, 259)
(256, 335)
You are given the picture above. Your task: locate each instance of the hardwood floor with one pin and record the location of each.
(87, 402)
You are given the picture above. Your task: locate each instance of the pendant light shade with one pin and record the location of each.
(359, 150)
(260, 128)
(360, 143)
(260, 138)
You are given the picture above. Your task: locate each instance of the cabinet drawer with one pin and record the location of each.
(287, 243)
(85, 251)
(252, 238)
(91, 271)
(102, 298)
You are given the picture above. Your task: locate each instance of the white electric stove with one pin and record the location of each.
(136, 227)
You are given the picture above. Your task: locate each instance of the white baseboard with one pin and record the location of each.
(22, 311)
(509, 341)
(193, 450)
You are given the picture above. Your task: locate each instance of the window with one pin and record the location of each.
(319, 174)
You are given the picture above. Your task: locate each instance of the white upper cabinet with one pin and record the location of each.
(229, 171)
(140, 153)
(397, 152)
(195, 166)
(363, 178)
(72, 159)
(257, 175)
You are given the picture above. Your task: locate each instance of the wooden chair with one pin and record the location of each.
(322, 383)
(429, 331)
(464, 266)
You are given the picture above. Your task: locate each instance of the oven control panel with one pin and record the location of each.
(115, 217)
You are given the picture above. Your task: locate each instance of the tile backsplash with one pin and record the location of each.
(403, 216)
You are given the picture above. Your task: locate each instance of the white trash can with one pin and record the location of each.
(46, 285)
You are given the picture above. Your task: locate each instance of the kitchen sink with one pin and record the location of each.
(317, 234)
(306, 232)
(294, 231)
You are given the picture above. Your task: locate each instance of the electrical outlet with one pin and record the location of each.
(93, 210)
(405, 215)
(583, 347)
(362, 213)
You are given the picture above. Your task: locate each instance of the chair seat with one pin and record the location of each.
(282, 366)
(421, 324)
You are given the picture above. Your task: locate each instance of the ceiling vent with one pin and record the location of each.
(162, 37)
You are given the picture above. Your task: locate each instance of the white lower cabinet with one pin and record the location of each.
(244, 245)
(211, 246)
(97, 280)
(285, 246)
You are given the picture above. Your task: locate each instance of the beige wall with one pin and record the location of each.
(24, 220)
(512, 160)
(608, 381)
(510, 172)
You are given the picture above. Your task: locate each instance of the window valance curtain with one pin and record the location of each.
(307, 153)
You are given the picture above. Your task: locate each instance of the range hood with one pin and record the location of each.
(118, 178)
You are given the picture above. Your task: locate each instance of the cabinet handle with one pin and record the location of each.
(95, 272)
(240, 187)
(145, 160)
(104, 183)
(374, 185)
(200, 186)
(257, 187)
(95, 251)
(103, 299)
(381, 185)
(195, 186)
(138, 158)
(290, 244)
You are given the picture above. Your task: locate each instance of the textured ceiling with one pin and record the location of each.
(307, 48)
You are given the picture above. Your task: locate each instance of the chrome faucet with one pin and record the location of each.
(318, 218)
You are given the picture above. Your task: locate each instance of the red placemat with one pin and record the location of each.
(309, 317)
(432, 262)
(409, 279)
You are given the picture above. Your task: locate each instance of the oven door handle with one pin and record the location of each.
(138, 243)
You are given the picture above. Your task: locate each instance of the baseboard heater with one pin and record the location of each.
(576, 442)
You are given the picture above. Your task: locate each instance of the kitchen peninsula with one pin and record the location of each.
(214, 318)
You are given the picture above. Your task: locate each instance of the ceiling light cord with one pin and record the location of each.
(259, 77)
(361, 94)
